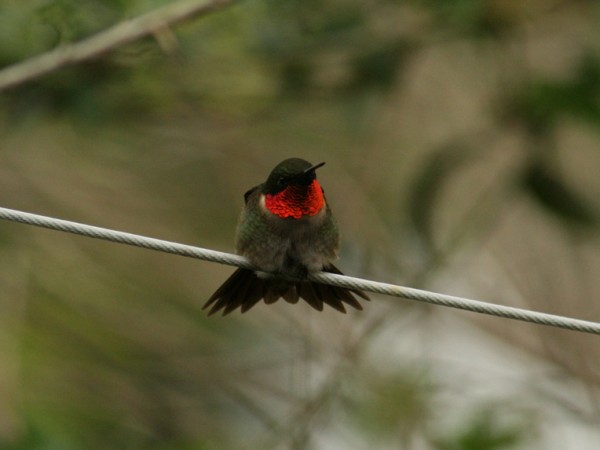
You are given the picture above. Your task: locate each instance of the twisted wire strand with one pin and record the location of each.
(466, 304)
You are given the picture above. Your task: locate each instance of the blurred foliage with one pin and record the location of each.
(542, 103)
(462, 147)
(485, 431)
(441, 166)
(397, 406)
(472, 17)
(552, 193)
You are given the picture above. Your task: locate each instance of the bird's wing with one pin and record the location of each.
(249, 192)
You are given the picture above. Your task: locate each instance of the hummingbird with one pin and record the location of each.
(287, 231)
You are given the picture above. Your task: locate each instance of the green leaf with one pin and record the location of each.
(484, 432)
(552, 194)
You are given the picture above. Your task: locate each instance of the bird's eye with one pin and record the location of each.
(281, 182)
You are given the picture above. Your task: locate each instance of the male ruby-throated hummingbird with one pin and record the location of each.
(287, 230)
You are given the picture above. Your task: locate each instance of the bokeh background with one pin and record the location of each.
(462, 142)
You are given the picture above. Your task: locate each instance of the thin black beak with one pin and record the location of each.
(313, 168)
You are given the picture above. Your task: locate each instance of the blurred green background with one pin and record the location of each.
(462, 141)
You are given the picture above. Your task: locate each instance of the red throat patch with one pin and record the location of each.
(296, 201)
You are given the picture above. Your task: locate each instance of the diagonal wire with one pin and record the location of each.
(466, 304)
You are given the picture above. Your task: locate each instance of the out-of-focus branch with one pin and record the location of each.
(151, 23)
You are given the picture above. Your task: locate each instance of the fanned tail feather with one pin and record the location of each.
(244, 289)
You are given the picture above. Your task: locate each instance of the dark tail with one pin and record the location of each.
(243, 289)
